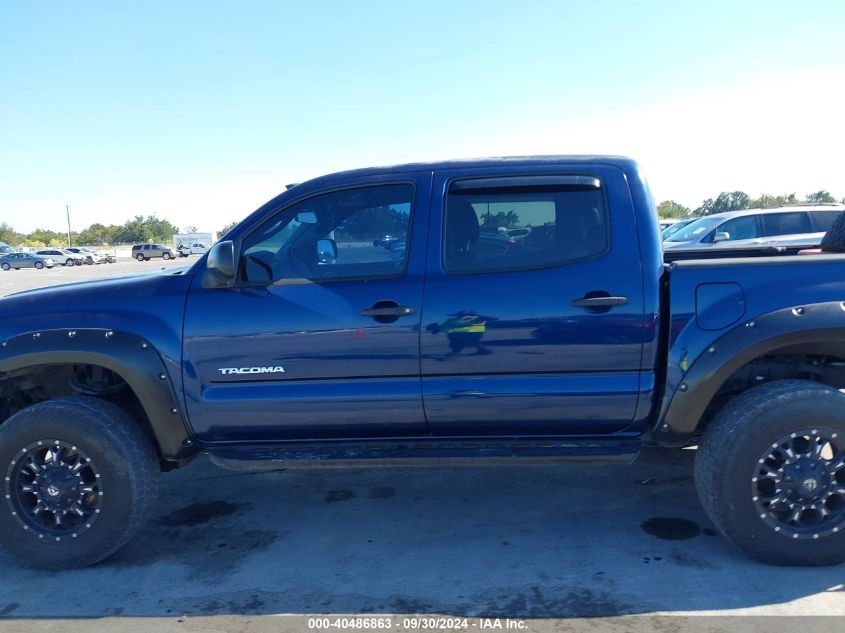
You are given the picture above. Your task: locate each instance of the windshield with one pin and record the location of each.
(694, 230)
(677, 226)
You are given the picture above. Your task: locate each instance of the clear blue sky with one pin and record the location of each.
(200, 111)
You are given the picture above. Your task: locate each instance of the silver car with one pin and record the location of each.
(794, 225)
(25, 260)
(62, 257)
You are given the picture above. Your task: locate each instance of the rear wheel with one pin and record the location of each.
(5, 266)
(139, 257)
(39, 265)
(770, 473)
(80, 479)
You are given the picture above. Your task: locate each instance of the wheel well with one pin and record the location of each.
(23, 387)
(822, 363)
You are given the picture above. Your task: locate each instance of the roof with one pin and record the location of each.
(472, 163)
(830, 206)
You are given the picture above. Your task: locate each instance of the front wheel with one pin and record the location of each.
(5, 266)
(770, 473)
(68, 262)
(39, 265)
(165, 256)
(139, 257)
(80, 479)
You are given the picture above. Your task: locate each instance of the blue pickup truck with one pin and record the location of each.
(524, 312)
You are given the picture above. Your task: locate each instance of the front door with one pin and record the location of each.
(320, 336)
(533, 315)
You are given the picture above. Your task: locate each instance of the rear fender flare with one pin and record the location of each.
(683, 409)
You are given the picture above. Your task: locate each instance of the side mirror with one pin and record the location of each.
(220, 266)
(326, 251)
(721, 236)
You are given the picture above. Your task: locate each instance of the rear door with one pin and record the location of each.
(540, 335)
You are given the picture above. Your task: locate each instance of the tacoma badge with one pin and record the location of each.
(228, 371)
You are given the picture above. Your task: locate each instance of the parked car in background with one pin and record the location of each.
(792, 225)
(674, 227)
(144, 252)
(62, 257)
(87, 258)
(196, 248)
(25, 260)
(387, 241)
(665, 223)
(517, 235)
(91, 256)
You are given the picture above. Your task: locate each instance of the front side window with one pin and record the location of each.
(744, 228)
(785, 224)
(521, 228)
(357, 233)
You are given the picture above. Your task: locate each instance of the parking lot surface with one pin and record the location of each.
(27, 278)
(607, 547)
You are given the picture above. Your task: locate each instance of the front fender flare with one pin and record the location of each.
(815, 323)
(126, 354)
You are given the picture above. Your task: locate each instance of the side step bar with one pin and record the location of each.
(427, 452)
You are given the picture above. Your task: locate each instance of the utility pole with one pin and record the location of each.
(67, 210)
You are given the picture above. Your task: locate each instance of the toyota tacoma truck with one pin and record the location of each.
(297, 341)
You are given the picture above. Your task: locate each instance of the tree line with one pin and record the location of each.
(138, 229)
(738, 200)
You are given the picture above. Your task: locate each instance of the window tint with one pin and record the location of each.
(744, 228)
(824, 219)
(521, 228)
(785, 223)
(351, 234)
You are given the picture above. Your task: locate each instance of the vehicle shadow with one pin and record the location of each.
(528, 542)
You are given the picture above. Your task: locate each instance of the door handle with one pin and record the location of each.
(392, 311)
(599, 302)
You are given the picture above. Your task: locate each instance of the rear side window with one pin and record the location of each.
(523, 224)
(824, 219)
(785, 223)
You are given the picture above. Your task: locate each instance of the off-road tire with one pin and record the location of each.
(729, 452)
(125, 458)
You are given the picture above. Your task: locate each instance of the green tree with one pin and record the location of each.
(47, 237)
(491, 223)
(98, 234)
(672, 209)
(9, 235)
(146, 229)
(725, 201)
(227, 228)
(820, 197)
(370, 224)
(767, 200)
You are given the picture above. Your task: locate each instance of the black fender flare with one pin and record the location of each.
(806, 324)
(130, 356)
